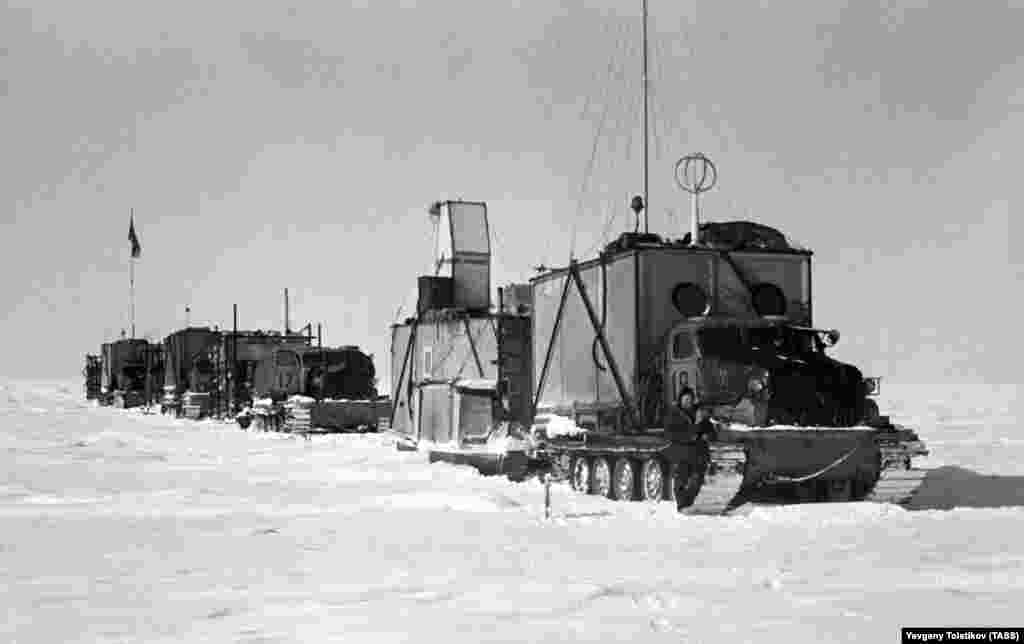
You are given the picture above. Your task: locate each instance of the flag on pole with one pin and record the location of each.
(133, 238)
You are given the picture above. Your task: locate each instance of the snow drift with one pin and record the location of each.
(120, 525)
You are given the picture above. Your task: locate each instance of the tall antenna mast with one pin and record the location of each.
(647, 202)
(287, 321)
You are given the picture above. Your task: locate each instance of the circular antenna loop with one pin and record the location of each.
(695, 173)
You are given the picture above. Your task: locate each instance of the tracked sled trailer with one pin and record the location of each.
(306, 389)
(690, 370)
(460, 367)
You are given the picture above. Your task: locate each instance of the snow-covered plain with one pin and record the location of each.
(118, 526)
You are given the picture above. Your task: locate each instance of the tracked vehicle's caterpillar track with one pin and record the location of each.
(298, 417)
(298, 423)
(898, 480)
(719, 484)
(762, 466)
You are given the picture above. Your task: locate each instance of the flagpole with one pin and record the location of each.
(131, 281)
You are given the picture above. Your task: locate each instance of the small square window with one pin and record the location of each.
(682, 346)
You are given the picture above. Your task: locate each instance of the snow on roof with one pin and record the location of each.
(476, 383)
(554, 425)
(740, 427)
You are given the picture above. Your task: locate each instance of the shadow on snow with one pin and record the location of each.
(951, 487)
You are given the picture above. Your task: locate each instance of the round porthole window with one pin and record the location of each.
(769, 299)
(690, 299)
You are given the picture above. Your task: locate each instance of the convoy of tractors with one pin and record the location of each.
(681, 370)
(266, 379)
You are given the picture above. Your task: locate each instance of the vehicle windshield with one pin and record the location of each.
(726, 342)
(721, 341)
(785, 339)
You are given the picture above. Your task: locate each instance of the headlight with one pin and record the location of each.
(757, 384)
(872, 386)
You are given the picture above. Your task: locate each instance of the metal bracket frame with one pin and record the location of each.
(401, 375)
(738, 272)
(573, 277)
(472, 345)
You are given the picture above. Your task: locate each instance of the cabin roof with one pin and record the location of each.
(638, 243)
(449, 315)
(476, 384)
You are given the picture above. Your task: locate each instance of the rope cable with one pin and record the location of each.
(589, 168)
(611, 70)
(655, 98)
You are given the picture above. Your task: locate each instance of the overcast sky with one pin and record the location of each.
(273, 145)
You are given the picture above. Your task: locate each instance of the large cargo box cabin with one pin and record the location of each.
(445, 347)
(93, 373)
(637, 291)
(124, 364)
(187, 362)
(125, 368)
(458, 381)
(241, 352)
(460, 369)
(328, 372)
(156, 367)
(321, 388)
(190, 375)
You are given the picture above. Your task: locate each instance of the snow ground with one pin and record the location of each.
(117, 526)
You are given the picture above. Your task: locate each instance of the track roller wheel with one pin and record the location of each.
(579, 474)
(624, 487)
(601, 481)
(652, 481)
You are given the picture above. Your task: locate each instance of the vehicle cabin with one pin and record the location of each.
(635, 293)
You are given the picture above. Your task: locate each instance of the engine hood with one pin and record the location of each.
(806, 388)
(805, 363)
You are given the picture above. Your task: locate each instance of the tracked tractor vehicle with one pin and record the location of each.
(691, 370)
(305, 388)
(241, 353)
(125, 369)
(93, 374)
(190, 376)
